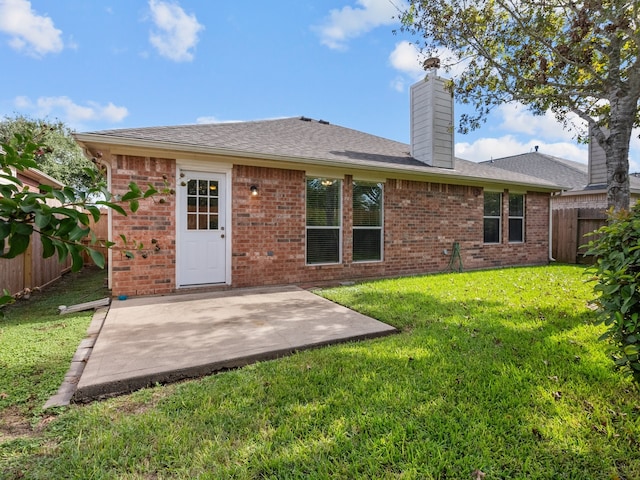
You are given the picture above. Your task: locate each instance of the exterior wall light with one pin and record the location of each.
(254, 190)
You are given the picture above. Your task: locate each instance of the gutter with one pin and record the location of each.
(439, 175)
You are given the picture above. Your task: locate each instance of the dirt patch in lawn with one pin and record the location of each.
(14, 425)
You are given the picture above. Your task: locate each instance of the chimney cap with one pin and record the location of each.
(433, 62)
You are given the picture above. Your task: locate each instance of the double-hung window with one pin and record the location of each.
(367, 222)
(516, 217)
(324, 220)
(492, 216)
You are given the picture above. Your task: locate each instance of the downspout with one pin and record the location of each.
(109, 231)
(98, 159)
(553, 194)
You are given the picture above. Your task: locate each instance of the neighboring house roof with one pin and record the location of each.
(573, 175)
(301, 140)
(34, 174)
(568, 173)
(34, 177)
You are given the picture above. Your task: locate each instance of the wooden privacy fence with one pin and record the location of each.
(570, 225)
(101, 230)
(30, 270)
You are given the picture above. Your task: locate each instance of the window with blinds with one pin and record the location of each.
(324, 220)
(492, 216)
(367, 221)
(516, 218)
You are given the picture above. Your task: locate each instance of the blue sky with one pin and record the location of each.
(129, 63)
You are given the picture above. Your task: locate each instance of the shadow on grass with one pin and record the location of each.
(72, 288)
(515, 386)
(516, 391)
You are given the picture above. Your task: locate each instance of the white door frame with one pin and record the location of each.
(205, 167)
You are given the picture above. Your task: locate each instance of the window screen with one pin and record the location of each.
(492, 216)
(324, 220)
(516, 217)
(367, 221)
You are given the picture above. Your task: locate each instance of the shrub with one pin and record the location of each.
(616, 247)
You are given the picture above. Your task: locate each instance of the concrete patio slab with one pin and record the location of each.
(151, 340)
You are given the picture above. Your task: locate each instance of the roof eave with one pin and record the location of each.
(86, 139)
(41, 177)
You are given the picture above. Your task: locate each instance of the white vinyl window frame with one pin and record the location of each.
(379, 228)
(517, 218)
(492, 217)
(311, 229)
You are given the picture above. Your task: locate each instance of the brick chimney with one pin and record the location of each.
(432, 119)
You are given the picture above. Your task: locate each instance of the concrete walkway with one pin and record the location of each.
(151, 340)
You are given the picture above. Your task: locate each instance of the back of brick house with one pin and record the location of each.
(298, 201)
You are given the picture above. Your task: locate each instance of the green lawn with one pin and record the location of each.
(498, 372)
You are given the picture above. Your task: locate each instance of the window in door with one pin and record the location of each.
(202, 205)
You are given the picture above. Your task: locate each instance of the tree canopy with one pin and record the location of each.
(572, 58)
(60, 217)
(59, 155)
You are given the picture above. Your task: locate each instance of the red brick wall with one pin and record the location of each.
(269, 229)
(152, 269)
(534, 250)
(421, 221)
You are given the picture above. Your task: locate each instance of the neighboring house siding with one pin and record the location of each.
(153, 220)
(597, 163)
(421, 220)
(584, 200)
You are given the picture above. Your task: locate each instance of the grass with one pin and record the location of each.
(498, 372)
(36, 347)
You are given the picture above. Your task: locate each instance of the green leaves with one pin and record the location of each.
(60, 216)
(617, 273)
(570, 59)
(18, 240)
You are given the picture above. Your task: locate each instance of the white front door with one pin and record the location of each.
(201, 220)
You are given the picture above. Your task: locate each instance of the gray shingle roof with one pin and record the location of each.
(568, 173)
(573, 175)
(309, 140)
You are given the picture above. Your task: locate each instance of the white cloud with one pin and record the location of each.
(349, 22)
(408, 60)
(31, 33)
(517, 118)
(176, 32)
(211, 119)
(208, 119)
(508, 145)
(398, 84)
(634, 152)
(72, 113)
(520, 131)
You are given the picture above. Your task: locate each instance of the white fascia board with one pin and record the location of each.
(401, 171)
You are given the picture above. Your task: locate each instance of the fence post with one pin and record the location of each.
(27, 280)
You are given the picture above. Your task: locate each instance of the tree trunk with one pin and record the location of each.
(616, 147)
(618, 177)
